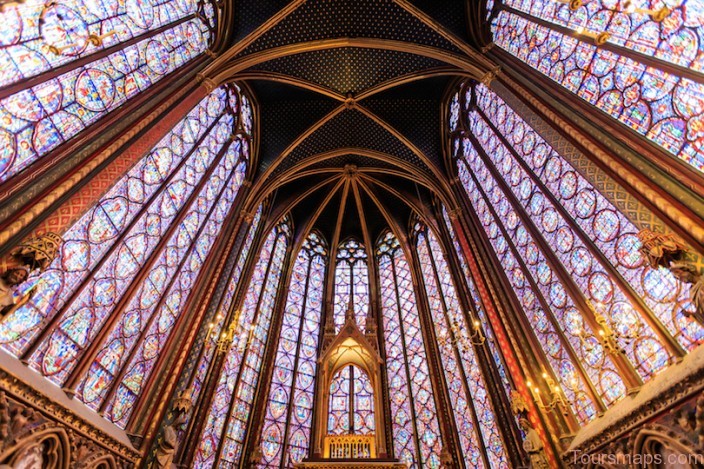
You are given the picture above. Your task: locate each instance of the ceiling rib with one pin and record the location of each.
(322, 61)
(229, 71)
(310, 223)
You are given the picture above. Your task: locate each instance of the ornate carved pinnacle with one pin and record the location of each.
(519, 406)
(33, 254)
(39, 252)
(667, 251)
(446, 461)
(183, 402)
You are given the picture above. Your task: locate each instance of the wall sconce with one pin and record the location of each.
(598, 38)
(460, 339)
(573, 4)
(583, 336)
(93, 39)
(477, 337)
(556, 402)
(608, 337)
(226, 338)
(211, 326)
(655, 15)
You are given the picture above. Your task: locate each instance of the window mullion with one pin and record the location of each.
(255, 319)
(566, 345)
(86, 60)
(53, 323)
(627, 369)
(639, 305)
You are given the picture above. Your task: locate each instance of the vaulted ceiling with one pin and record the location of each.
(350, 96)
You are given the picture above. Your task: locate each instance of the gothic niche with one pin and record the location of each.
(349, 405)
(29, 440)
(656, 446)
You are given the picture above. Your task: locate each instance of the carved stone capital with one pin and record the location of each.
(490, 76)
(454, 214)
(660, 249)
(488, 47)
(207, 82)
(247, 216)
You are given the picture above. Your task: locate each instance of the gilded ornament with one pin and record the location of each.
(659, 249)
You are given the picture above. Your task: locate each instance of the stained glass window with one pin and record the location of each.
(104, 53)
(286, 431)
(473, 414)
(222, 398)
(636, 83)
(351, 406)
(223, 435)
(351, 278)
(128, 265)
(611, 232)
(528, 198)
(416, 431)
(674, 40)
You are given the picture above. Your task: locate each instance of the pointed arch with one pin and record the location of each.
(351, 282)
(228, 420)
(479, 437)
(570, 255)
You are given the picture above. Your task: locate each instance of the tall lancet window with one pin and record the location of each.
(351, 406)
(287, 422)
(64, 65)
(416, 430)
(103, 311)
(647, 74)
(224, 431)
(478, 432)
(351, 279)
(572, 259)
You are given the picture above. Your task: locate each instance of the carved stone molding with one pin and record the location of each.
(673, 412)
(85, 454)
(27, 417)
